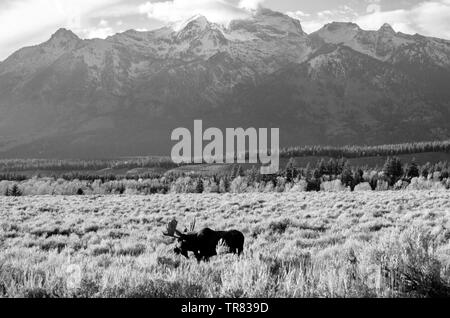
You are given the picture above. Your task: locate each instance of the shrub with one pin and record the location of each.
(130, 250)
(299, 186)
(424, 184)
(401, 185)
(382, 185)
(363, 187)
(333, 186)
(239, 185)
(409, 267)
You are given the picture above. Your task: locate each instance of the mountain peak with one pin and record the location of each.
(278, 20)
(261, 11)
(63, 38)
(338, 32)
(387, 28)
(63, 33)
(198, 22)
(335, 26)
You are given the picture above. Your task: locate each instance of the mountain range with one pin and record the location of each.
(123, 95)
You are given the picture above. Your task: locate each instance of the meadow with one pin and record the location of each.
(298, 244)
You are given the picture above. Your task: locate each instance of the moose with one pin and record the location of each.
(204, 243)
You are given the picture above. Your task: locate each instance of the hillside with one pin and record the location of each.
(123, 96)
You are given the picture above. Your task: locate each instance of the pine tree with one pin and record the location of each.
(316, 174)
(323, 170)
(393, 170)
(234, 172)
(15, 191)
(412, 171)
(426, 170)
(200, 187)
(340, 165)
(240, 172)
(254, 175)
(308, 172)
(332, 167)
(347, 177)
(358, 177)
(290, 172)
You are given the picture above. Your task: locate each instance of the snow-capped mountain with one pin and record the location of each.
(125, 94)
(386, 44)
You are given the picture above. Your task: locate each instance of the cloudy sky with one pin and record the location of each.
(29, 22)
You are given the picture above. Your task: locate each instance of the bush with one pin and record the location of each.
(333, 186)
(401, 185)
(424, 184)
(409, 267)
(382, 185)
(363, 187)
(239, 185)
(299, 186)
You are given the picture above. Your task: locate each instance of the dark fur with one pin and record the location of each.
(204, 243)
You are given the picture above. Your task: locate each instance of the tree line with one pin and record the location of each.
(366, 151)
(17, 165)
(325, 175)
(349, 152)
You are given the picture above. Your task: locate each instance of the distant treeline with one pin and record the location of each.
(348, 152)
(332, 175)
(366, 151)
(9, 165)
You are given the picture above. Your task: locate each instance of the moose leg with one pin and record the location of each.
(239, 251)
(198, 256)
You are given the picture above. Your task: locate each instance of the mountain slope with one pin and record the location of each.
(124, 95)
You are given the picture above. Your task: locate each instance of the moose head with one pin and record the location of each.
(185, 241)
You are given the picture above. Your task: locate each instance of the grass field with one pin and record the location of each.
(367, 244)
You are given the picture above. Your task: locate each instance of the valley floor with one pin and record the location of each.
(366, 244)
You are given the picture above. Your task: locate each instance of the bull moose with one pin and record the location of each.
(204, 243)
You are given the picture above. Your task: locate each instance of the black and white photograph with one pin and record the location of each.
(235, 150)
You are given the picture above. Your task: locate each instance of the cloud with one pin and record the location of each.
(313, 22)
(298, 14)
(374, 6)
(250, 4)
(23, 22)
(431, 18)
(219, 11)
(117, 10)
(102, 31)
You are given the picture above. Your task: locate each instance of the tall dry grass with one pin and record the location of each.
(387, 244)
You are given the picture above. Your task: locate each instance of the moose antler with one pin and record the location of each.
(171, 229)
(192, 226)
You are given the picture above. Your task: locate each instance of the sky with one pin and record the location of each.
(30, 22)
